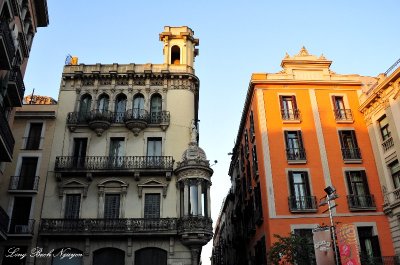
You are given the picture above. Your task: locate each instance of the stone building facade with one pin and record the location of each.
(127, 182)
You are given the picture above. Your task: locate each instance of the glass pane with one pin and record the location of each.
(138, 102)
(152, 205)
(72, 205)
(193, 203)
(111, 206)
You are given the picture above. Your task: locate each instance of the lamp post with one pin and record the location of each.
(331, 195)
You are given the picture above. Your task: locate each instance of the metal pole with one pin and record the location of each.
(332, 230)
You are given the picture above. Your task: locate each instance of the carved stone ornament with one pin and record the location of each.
(153, 183)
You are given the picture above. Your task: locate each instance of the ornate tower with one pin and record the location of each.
(179, 45)
(194, 181)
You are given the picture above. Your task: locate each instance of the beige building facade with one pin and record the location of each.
(127, 182)
(380, 104)
(21, 192)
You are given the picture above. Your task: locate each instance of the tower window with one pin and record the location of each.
(175, 55)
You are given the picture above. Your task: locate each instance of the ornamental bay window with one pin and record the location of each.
(195, 198)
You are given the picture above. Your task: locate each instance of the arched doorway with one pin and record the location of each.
(151, 256)
(107, 256)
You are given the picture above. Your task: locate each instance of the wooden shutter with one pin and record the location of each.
(294, 103)
(72, 205)
(365, 181)
(291, 184)
(152, 205)
(300, 139)
(354, 139)
(306, 183)
(111, 206)
(348, 177)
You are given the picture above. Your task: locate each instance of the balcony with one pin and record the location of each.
(6, 140)
(301, 204)
(290, 114)
(361, 202)
(195, 230)
(136, 120)
(4, 220)
(392, 201)
(343, 115)
(387, 144)
(21, 227)
(16, 87)
(351, 154)
(32, 143)
(7, 49)
(122, 226)
(296, 155)
(23, 184)
(123, 165)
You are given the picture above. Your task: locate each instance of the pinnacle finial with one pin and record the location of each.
(303, 51)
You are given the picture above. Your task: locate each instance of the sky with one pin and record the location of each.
(237, 38)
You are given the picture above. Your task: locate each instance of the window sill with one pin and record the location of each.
(345, 121)
(290, 162)
(291, 121)
(303, 210)
(352, 161)
(356, 209)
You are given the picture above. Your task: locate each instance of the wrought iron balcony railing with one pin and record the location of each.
(4, 220)
(100, 115)
(7, 50)
(343, 114)
(302, 204)
(122, 225)
(6, 140)
(351, 153)
(23, 183)
(159, 117)
(361, 202)
(113, 163)
(387, 144)
(136, 114)
(290, 115)
(16, 87)
(21, 226)
(295, 154)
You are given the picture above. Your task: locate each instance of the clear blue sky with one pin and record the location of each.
(237, 38)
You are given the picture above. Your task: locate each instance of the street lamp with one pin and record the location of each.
(331, 195)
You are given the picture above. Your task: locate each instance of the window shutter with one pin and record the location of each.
(291, 184)
(300, 138)
(334, 102)
(281, 101)
(307, 183)
(286, 138)
(341, 138)
(353, 138)
(348, 177)
(294, 102)
(364, 178)
(111, 206)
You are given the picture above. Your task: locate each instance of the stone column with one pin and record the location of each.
(186, 197)
(208, 200)
(199, 190)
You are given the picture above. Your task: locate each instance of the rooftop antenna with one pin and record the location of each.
(33, 91)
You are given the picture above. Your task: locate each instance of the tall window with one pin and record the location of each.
(246, 143)
(384, 127)
(369, 243)
(27, 173)
(294, 146)
(289, 109)
(359, 196)
(175, 55)
(348, 142)
(20, 222)
(120, 106)
(341, 113)
(155, 108)
(34, 136)
(79, 152)
(84, 107)
(152, 205)
(300, 198)
(395, 171)
(117, 151)
(252, 130)
(255, 160)
(72, 205)
(154, 146)
(102, 103)
(111, 206)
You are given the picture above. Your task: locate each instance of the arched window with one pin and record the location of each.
(175, 55)
(102, 103)
(151, 256)
(107, 256)
(138, 102)
(84, 108)
(120, 106)
(67, 256)
(155, 108)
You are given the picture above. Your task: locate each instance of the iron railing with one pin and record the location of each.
(5, 34)
(343, 114)
(293, 154)
(7, 138)
(4, 220)
(302, 203)
(32, 143)
(114, 162)
(21, 226)
(123, 225)
(388, 72)
(15, 79)
(351, 153)
(290, 115)
(387, 144)
(160, 117)
(23, 183)
(359, 202)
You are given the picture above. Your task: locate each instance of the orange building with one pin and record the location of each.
(301, 132)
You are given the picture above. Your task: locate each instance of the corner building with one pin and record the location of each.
(301, 132)
(128, 183)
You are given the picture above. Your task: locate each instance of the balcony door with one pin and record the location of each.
(154, 150)
(288, 107)
(358, 188)
(79, 155)
(120, 107)
(151, 256)
(34, 136)
(152, 205)
(300, 190)
(369, 243)
(84, 107)
(155, 108)
(117, 151)
(27, 173)
(20, 223)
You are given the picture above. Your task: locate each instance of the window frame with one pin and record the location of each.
(291, 156)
